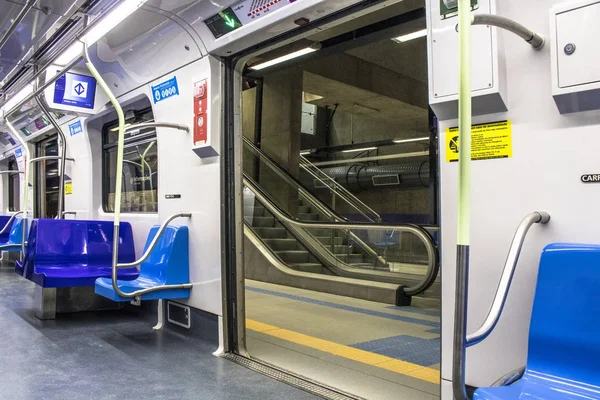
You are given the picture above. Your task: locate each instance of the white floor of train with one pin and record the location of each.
(372, 350)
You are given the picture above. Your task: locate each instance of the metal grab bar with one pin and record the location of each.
(10, 220)
(14, 171)
(63, 156)
(423, 235)
(157, 125)
(461, 340)
(116, 266)
(69, 213)
(154, 241)
(37, 159)
(507, 274)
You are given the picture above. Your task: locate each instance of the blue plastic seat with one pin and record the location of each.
(168, 264)
(15, 237)
(74, 253)
(3, 221)
(563, 360)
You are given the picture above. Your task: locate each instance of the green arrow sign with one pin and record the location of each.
(229, 21)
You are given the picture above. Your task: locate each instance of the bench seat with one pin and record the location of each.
(74, 253)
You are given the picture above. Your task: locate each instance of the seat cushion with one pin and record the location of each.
(69, 275)
(530, 388)
(104, 288)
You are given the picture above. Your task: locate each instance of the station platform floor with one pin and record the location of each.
(371, 350)
(112, 355)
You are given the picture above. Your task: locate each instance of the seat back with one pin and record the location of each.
(564, 337)
(16, 231)
(3, 221)
(65, 242)
(168, 263)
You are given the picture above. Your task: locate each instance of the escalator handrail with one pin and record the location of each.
(330, 260)
(323, 208)
(286, 175)
(426, 238)
(348, 197)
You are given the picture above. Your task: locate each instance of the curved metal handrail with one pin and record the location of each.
(538, 217)
(9, 222)
(116, 266)
(14, 171)
(461, 339)
(44, 158)
(423, 235)
(63, 155)
(143, 125)
(280, 265)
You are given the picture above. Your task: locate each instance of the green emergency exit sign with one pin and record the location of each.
(449, 8)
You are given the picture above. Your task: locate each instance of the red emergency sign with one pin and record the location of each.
(200, 112)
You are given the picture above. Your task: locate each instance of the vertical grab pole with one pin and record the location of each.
(63, 156)
(26, 165)
(119, 171)
(464, 201)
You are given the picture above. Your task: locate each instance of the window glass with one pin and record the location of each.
(140, 169)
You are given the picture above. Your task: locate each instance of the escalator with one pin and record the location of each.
(295, 239)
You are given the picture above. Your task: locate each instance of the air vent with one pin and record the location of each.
(386, 180)
(178, 314)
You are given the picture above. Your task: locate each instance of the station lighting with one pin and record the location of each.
(411, 36)
(357, 150)
(421, 139)
(287, 57)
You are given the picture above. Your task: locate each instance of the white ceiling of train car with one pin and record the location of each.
(32, 32)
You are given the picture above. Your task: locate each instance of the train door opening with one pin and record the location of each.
(340, 206)
(14, 187)
(47, 178)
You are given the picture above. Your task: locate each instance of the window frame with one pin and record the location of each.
(148, 135)
(12, 207)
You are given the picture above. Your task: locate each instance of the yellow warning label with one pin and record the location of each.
(68, 187)
(489, 141)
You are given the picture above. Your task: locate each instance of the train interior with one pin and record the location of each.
(267, 199)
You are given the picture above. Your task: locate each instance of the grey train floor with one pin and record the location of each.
(112, 355)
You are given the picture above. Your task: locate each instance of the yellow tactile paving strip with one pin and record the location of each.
(391, 364)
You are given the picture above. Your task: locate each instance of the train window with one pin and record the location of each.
(140, 168)
(14, 187)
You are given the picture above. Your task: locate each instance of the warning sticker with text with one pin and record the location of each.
(489, 141)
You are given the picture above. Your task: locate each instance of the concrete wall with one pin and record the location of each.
(344, 79)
